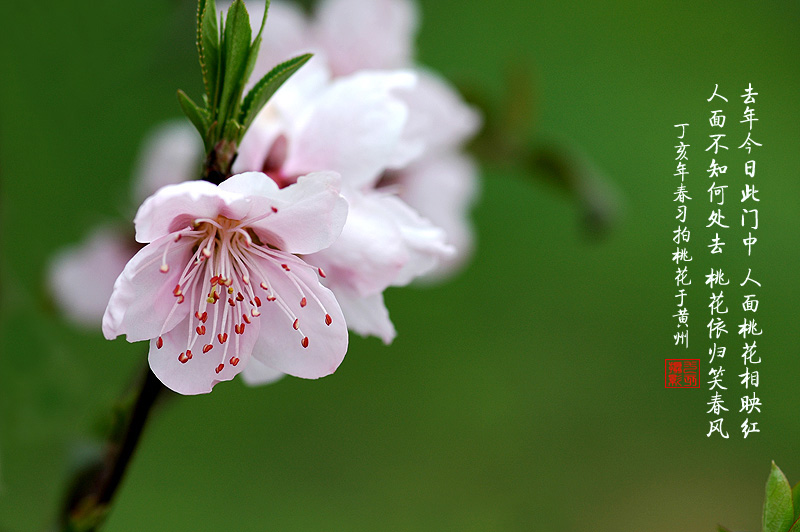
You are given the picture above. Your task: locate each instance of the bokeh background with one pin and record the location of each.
(527, 393)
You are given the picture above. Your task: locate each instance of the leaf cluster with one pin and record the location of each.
(227, 58)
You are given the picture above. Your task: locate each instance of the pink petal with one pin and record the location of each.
(370, 252)
(353, 128)
(383, 243)
(307, 216)
(367, 316)
(171, 154)
(443, 189)
(256, 373)
(424, 241)
(366, 34)
(199, 374)
(142, 300)
(257, 142)
(81, 277)
(280, 345)
(174, 207)
(438, 117)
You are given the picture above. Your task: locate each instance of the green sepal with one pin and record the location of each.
(778, 508)
(260, 94)
(235, 56)
(199, 117)
(208, 46)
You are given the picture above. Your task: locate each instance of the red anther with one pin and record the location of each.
(234, 361)
(258, 301)
(239, 328)
(178, 237)
(303, 302)
(159, 343)
(231, 303)
(181, 299)
(304, 343)
(207, 348)
(274, 209)
(246, 318)
(227, 282)
(214, 280)
(321, 273)
(189, 354)
(204, 317)
(239, 296)
(296, 324)
(219, 368)
(264, 286)
(164, 268)
(255, 313)
(286, 267)
(197, 314)
(328, 319)
(183, 358)
(216, 297)
(222, 338)
(201, 330)
(177, 291)
(271, 298)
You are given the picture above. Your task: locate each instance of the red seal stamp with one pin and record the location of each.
(682, 373)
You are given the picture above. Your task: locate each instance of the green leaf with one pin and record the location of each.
(260, 94)
(198, 117)
(778, 509)
(208, 46)
(251, 59)
(721, 528)
(796, 500)
(236, 53)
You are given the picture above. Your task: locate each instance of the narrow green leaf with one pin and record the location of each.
(208, 46)
(721, 528)
(198, 117)
(260, 94)
(778, 509)
(251, 59)
(796, 500)
(237, 50)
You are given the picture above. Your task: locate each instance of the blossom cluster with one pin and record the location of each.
(351, 179)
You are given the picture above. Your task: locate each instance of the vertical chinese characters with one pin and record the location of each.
(749, 328)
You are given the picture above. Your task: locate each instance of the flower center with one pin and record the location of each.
(224, 282)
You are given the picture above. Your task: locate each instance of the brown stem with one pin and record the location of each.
(219, 161)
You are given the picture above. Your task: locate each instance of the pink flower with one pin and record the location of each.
(394, 139)
(355, 126)
(219, 281)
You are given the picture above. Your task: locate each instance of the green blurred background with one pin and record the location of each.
(526, 394)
